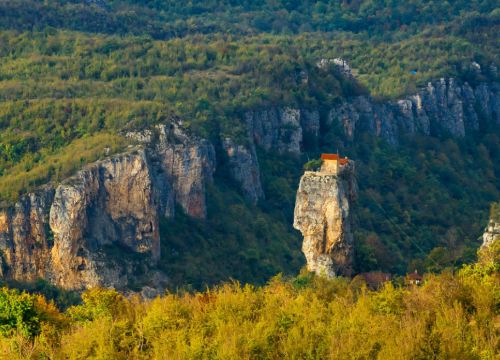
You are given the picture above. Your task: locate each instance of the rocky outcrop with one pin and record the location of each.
(310, 123)
(283, 130)
(60, 234)
(63, 233)
(187, 163)
(277, 129)
(86, 231)
(323, 216)
(25, 239)
(244, 168)
(492, 231)
(443, 107)
(342, 66)
(110, 203)
(184, 165)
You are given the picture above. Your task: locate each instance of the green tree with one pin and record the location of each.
(18, 313)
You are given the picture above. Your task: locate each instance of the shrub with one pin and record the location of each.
(18, 314)
(313, 165)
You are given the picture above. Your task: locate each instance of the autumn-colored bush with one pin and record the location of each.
(450, 316)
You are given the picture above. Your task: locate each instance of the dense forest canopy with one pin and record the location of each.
(75, 75)
(167, 19)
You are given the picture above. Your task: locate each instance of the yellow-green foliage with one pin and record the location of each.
(451, 316)
(52, 167)
(62, 136)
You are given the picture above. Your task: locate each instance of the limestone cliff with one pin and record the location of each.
(443, 107)
(244, 168)
(183, 164)
(492, 231)
(323, 216)
(67, 234)
(24, 240)
(110, 203)
(282, 129)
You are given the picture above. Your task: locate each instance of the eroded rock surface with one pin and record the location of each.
(25, 241)
(492, 231)
(323, 216)
(91, 229)
(110, 203)
(443, 107)
(276, 129)
(244, 168)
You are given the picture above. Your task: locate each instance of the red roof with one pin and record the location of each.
(329, 156)
(342, 161)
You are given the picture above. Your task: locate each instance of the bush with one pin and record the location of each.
(18, 314)
(313, 165)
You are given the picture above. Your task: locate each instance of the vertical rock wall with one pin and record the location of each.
(63, 234)
(443, 107)
(323, 216)
(244, 168)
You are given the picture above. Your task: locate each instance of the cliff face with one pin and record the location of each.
(24, 240)
(186, 165)
(63, 234)
(244, 168)
(282, 129)
(111, 203)
(443, 107)
(323, 216)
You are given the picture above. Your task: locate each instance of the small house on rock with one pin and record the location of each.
(332, 163)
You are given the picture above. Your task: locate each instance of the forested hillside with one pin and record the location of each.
(76, 76)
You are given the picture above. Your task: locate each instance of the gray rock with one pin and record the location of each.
(310, 124)
(443, 107)
(184, 164)
(276, 129)
(244, 168)
(491, 233)
(24, 240)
